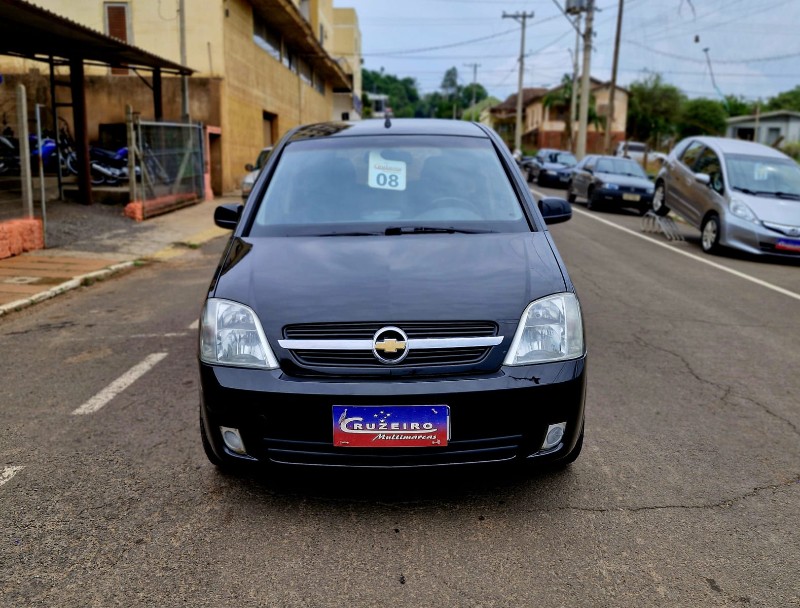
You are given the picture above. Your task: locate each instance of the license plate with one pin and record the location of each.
(631, 197)
(785, 245)
(395, 426)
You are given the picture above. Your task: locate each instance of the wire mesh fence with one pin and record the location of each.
(169, 166)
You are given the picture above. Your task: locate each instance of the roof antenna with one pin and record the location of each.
(388, 122)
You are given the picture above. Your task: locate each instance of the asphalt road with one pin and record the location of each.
(687, 492)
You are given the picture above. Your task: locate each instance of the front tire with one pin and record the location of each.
(710, 232)
(659, 204)
(592, 202)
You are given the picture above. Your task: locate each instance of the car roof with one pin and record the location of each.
(728, 145)
(397, 126)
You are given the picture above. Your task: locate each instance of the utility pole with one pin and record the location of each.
(521, 18)
(610, 115)
(573, 104)
(583, 118)
(184, 77)
(474, 67)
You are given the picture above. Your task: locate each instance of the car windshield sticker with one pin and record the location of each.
(761, 172)
(386, 174)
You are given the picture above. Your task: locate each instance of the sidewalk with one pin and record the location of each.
(88, 243)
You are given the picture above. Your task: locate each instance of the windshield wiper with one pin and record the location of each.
(395, 230)
(778, 194)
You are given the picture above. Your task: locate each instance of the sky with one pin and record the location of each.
(753, 45)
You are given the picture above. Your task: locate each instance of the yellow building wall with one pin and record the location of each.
(255, 83)
(246, 81)
(347, 43)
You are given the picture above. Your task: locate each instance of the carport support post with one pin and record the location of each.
(24, 151)
(158, 99)
(81, 135)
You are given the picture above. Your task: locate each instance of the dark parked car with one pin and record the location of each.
(391, 296)
(737, 193)
(611, 182)
(551, 167)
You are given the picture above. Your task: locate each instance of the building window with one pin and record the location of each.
(319, 84)
(289, 59)
(305, 72)
(266, 38)
(116, 17)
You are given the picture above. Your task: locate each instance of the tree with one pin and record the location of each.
(788, 100)
(403, 94)
(560, 100)
(702, 116)
(653, 110)
(738, 106)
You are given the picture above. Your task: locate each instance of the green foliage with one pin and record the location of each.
(792, 149)
(654, 109)
(403, 94)
(738, 106)
(702, 117)
(788, 100)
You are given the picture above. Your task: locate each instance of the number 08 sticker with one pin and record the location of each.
(386, 174)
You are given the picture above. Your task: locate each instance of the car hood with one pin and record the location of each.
(389, 278)
(625, 180)
(770, 209)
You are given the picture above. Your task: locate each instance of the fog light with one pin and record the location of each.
(555, 433)
(232, 439)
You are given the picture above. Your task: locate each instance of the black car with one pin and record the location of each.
(551, 167)
(391, 297)
(611, 182)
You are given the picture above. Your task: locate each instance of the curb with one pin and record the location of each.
(64, 287)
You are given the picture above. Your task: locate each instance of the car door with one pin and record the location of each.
(582, 176)
(702, 198)
(682, 179)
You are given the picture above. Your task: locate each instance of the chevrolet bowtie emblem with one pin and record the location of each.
(390, 345)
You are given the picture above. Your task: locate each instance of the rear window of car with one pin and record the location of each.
(619, 166)
(375, 182)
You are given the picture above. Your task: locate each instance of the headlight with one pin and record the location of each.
(650, 189)
(611, 186)
(230, 334)
(551, 172)
(551, 329)
(739, 209)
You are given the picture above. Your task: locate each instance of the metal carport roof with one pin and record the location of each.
(29, 31)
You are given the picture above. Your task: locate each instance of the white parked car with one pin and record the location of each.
(254, 170)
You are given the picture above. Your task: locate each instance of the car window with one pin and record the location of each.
(708, 164)
(620, 166)
(691, 153)
(376, 182)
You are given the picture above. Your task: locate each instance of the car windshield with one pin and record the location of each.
(388, 185)
(620, 166)
(764, 175)
(565, 158)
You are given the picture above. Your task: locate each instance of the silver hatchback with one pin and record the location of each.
(737, 193)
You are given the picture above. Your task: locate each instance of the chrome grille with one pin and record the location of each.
(362, 357)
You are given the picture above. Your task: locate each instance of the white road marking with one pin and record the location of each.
(697, 258)
(195, 324)
(119, 385)
(7, 473)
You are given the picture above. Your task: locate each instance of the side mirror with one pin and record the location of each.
(249, 167)
(703, 178)
(227, 216)
(555, 210)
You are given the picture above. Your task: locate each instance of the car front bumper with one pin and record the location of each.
(625, 199)
(757, 238)
(493, 417)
